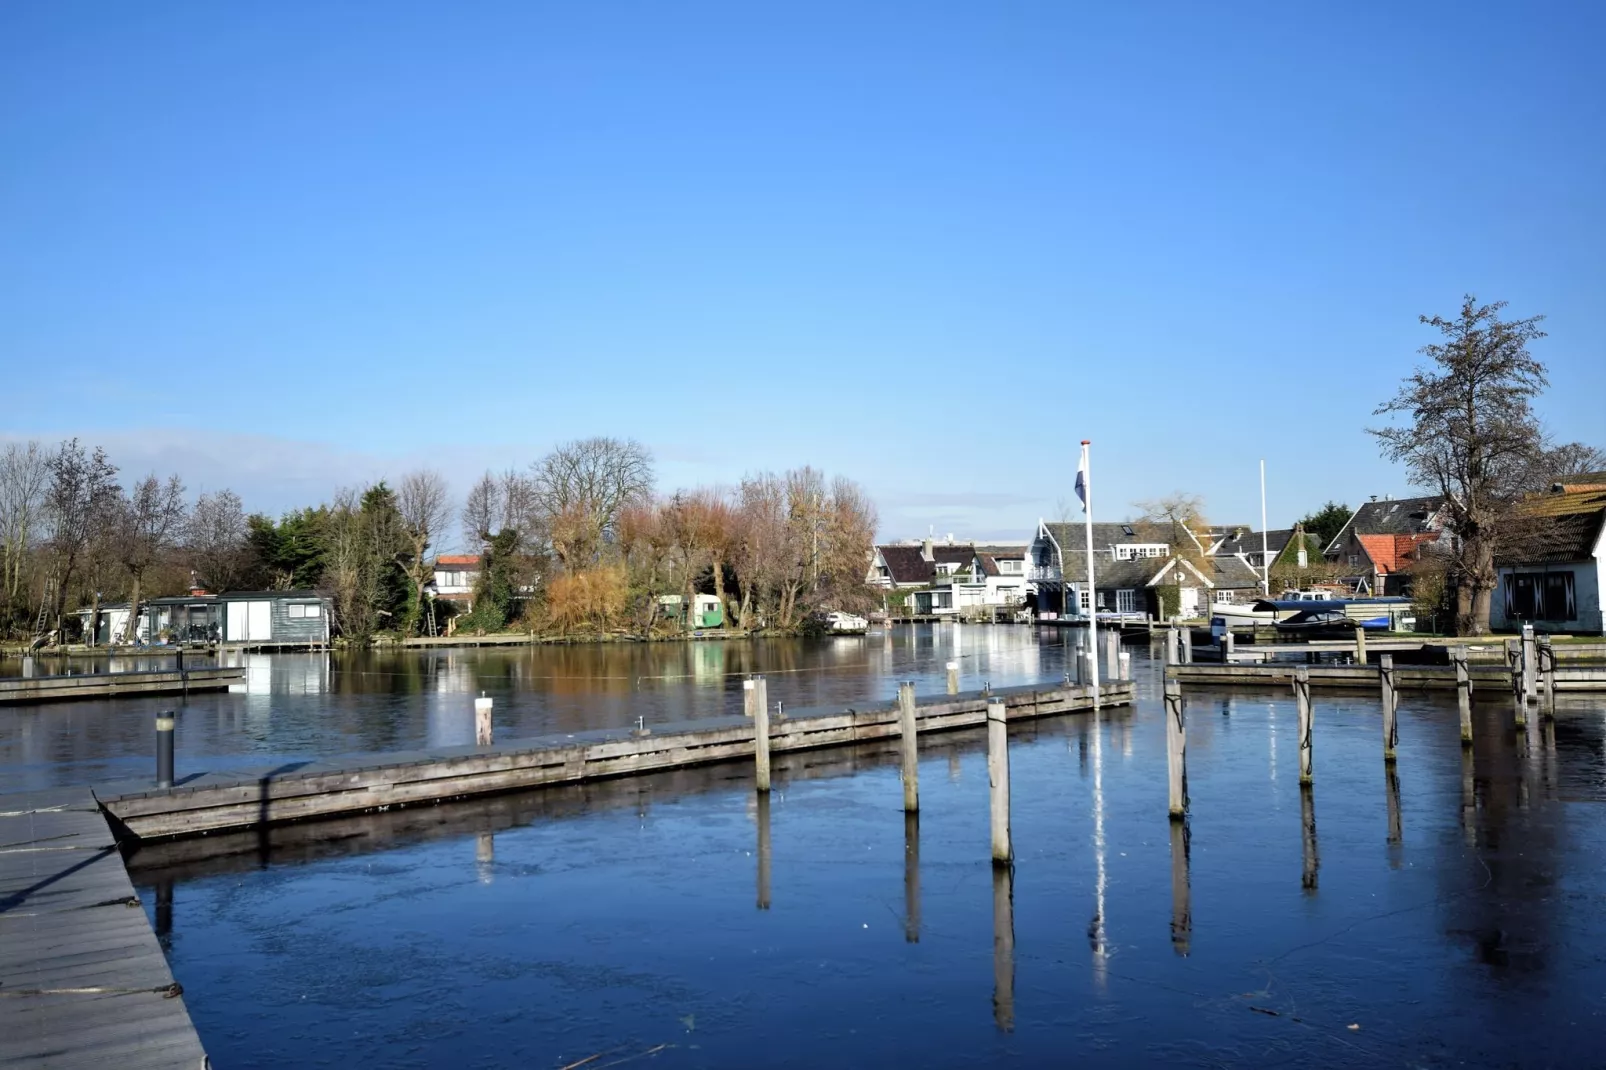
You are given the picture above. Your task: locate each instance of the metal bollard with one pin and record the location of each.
(164, 749)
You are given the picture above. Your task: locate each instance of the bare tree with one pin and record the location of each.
(498, 503)
(1174, 519)
(423, 502)
(82, 491)
(148, 521)
(580, 488)
(1567, 462)
(1471, 435)
(216, 541)
(24, 480)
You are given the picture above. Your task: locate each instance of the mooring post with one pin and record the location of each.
(749, 694)
(998, 783)
(1519, 701)
(27, 667)
(1302, 705)
(1176, 750)
(1226, 647)
(911, 753)
(1312, 859)
(1463, 692)
(953, 677)
(1080, 653)
(1391, 699)
(1360, 644)
(1391, 783)
(1187, 645)
(183, 677)
(1173, 647)
(164, 749)
(1547, 676)
(1112, 650)
(482, 720)
(1530, 665)
(761, 735)
(1124, 663)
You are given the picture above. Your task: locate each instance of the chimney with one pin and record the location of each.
(925, 549)
(1374, 497)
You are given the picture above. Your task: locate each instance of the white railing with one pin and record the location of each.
(1043, 572)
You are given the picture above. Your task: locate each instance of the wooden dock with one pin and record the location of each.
(83, 981)
(116, 684)
(235, 801)
(1486, 679)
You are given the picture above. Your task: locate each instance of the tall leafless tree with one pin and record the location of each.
(580, 488)
(149, 520)
(216, 541)
(424, 503)
(24, 480)
(1470, 434)
(83, 489)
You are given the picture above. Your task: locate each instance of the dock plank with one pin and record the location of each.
(69, 920)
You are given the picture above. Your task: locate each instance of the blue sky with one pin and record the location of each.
(930, 246)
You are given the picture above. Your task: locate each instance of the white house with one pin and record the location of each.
(455, 576)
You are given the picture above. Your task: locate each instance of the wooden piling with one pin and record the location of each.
(953, 677)
(1391, 783)
(1176, 750)
(761, 735)
(1186, 634)
(1547, 677)
(749, 694)
(1302, 706)
(1173, 646)
(1360, 644)
(1124, 665)
(998, 783)
(1391, 702)
(1226, 647)
(911, 754)
(482, 721)
(1530, 665)
(1519, 701)
(1112, 650)
(1463, 692)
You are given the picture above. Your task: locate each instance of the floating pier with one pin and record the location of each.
(173, 681)
(198, 804)
(1486, 679)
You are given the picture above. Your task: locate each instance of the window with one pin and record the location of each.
(298, 611)
(1354, 559)
(1124, 602)
(1303, 562)
(1226, 596)
(943, 600)
(1128, 551)
(1540, 596)
(314, 611)
(1081, 600)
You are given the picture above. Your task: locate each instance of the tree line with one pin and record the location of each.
(579, 541)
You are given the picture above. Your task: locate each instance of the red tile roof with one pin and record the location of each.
(458, 559)
(1391, 553)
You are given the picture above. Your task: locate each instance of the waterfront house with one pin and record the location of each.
(1376, 545)
(455, 577)
(908, 565)
(1553, 577)
(994, 577)
(255, 618)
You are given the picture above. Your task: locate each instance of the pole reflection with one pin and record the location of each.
(1307, 820)
(1181, 889)
(164, 914)
(1096, 935)
(1004, 948)
(763, 821)
(1396, 831)
(485, 856)
(911, 877)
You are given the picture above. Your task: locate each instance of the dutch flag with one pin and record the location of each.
(1081, 479)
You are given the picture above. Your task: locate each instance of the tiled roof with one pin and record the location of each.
(905, 564)
(1248, 542)
(1391, 516)
(457, 559)
(1233, 573)
(1072, 536)
(989, 564)
(1109, 573)
(1567, 527)
(1391, 553)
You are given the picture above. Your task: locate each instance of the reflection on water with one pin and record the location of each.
(543, 928)
(295, 706)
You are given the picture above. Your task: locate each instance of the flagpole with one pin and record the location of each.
(1265, 553)
(1092, 592)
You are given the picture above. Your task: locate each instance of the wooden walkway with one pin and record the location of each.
(236, 800)
(83, 981)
